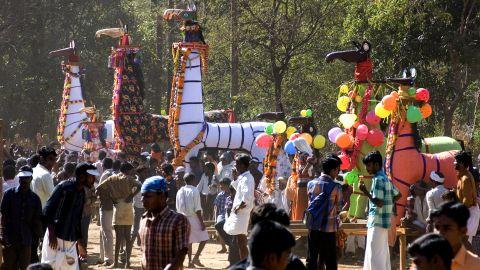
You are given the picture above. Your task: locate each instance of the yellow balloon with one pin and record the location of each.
(348, 120)
(342, 103)
(344, 89)
(290, 131)
(381, 112)
(279, 127)
(318, 141)
(307, 137)
(303, 113)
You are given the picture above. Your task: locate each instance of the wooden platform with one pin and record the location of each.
(359, 228)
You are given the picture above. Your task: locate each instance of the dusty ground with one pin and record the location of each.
(209, 258)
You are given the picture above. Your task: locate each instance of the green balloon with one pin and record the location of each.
(413, 114)
(269, 129)
(309, 112)
(360, 89)
(412, 91)
(351, 177)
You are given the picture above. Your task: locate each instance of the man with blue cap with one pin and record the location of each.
(164, 233)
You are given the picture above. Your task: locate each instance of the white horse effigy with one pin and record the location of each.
(188, 130)
(72, 110)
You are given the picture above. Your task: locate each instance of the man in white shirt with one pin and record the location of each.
(243, 203)
(225, 166)
(42, 185)
(208, 188)
(188, 204)
(434, 196)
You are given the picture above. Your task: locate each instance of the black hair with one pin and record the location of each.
(243, 159)
(46, 151)
(189, 178)
(464, 157)
(9, 172)
(40, 266)
(70, 168)
(116, 165)
(152, 160)
(83, 167)
(194, 159)
(155, 147)
(9, 162)
(458, 212)
(102, 154)
(210, 165)
(268, 237)
(374, 157)
(34, 160)
(269, 211)
(167, 168)
(226, 181)
(26, 168)
(331, 162)
(107, 163)
(126, 167)
(430, 245)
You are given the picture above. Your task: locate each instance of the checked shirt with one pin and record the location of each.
(383, 189)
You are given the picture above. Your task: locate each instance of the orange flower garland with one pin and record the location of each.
(270, 163)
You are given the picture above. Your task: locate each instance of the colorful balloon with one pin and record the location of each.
(264, 140)
(333, 133)
(290, 130)
(381, 112)
(290, 148)
(309, 112)
(389, 102)
(351, 177)
(362, 132)
(345, 162)
(348, 120)
(269, 129)
(344, 89)
(358, 98)
(279, 127)
(422, 94)
(372, 118)
(307, 137)
(294, 136)
(426, 110)
(344, 140)
(395, 94)
(342, 103)
(375, 137)
(413, 114)
(318, 141)
(303, 113)
(412, 91)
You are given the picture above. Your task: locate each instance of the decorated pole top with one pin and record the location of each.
(360, 56)
(69, 52)
(190, 28)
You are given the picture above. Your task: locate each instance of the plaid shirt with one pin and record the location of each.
(220, 202)
(335, 202)
(162, 236)
(383, 189)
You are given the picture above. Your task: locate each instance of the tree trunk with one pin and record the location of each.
(160, 49)
(277, 80)
(447, 122)
(170, 37)
(234, 61)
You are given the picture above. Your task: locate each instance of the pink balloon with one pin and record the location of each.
(333, 133)
(422, 94)
(345, 162)
(264, 140)
(362, 132)
(294, 136)
(372, 118)
(375, 137)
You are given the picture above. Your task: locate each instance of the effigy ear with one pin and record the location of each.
(110, 32)
(64, 52)
(179, 14)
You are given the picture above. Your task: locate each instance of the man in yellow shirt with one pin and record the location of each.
(467, 191)
(450, 221)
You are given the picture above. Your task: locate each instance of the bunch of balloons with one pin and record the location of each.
(388, 104)
(414, 113)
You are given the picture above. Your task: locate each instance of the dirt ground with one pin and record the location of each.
(209, 256)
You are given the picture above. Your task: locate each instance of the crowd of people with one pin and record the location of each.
(50, 198)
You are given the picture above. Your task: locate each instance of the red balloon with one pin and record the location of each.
(345, 162)
(264, 140)
(362, 132)
(422, 94)
(294, 136)
(375, 137)
(372, 118)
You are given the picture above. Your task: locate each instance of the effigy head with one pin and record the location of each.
(69, 52)
(190, 28)
(272, 116)
(360, 54)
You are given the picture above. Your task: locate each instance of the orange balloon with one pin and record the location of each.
(395, 94)
(389, 102)
(307, 137)
(426, 110)
(344, 140)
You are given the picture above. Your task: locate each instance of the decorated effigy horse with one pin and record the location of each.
(189, 131)
(71, 125)
(362, 121)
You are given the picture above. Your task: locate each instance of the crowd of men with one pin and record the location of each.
(50, 199)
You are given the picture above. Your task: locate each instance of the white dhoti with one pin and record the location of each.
(377, 254)
(63, 258)
(472, 223)
(196, 233)
(236, 224)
